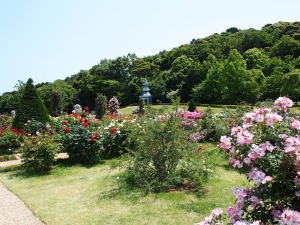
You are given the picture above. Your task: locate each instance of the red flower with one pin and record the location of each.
(81, 119)
(96, 134)
(15, 130)
(86, 120)
(113, 130)
(86, 108)
(64, 123)
(93, 138)
(86, 124)
(67, 130)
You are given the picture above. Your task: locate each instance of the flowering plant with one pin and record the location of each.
(267, 147)
(195, 115)
(10, 139)
(81, 140)
(113, 105)
(115, 137)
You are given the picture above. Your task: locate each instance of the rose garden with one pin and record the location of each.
(119, 165)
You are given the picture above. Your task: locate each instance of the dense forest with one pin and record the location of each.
(236, 66)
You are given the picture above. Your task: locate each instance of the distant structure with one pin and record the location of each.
(146, 96)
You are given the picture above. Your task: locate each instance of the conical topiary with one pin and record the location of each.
(30, 107)
(100, 105)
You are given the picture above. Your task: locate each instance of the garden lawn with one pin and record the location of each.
(168, 108)
(89, 195)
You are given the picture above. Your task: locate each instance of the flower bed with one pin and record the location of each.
(267, 147)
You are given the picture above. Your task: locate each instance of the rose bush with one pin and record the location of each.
(267, 147)
(10, 139)
(81, 140)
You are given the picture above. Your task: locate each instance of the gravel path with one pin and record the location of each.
(13, 211)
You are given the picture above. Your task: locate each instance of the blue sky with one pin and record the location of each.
(52, 39)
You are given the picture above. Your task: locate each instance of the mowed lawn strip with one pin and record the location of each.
(80, 196)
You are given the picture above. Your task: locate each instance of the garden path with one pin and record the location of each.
(14, 211)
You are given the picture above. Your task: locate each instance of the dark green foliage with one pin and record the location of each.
(191, 106)
(100, 105)
(162, 158)
(38, 154)
(58, 96)
(291, 85)
(30, 107)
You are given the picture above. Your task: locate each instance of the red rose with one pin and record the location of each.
(96, 134)
(113, 130)
(64, 123)
(67, 130)
(93, 138)
(86, 124)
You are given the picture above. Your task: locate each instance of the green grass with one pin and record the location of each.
(80, 196)
(128, 110)
(168, 108)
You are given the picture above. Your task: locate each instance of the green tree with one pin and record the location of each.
(256, 58)
(178, 72)
(30, 107)
(143, 68)
(10, 100)
(286, 46)
(240, 85)
(273, 85)
(58, 96)
(213, 88)
(291, 85)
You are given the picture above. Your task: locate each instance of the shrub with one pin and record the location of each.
(34, 127)
(81, 142)
(213, 126)
(10, 140)
(5, 121)
(100, 105)
(4, 158)
(115, 138)
(30, 107)
(267, 148)
(38, 154)
(160, 155)
(191, 106)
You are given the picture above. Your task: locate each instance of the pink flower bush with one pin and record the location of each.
(283, 103)
(197, 114)
(213, 218)
(290, 217)
(267, 147)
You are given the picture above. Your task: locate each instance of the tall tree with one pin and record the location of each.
(58, 96)
(30, 107)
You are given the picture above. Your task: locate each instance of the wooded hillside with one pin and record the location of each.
(228, 68)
